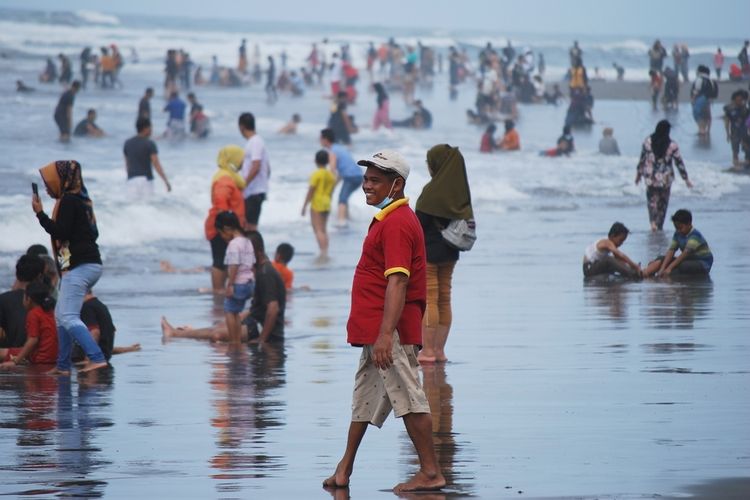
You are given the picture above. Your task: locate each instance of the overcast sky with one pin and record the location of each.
(665, 18)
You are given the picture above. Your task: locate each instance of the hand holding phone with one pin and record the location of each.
(36, 202)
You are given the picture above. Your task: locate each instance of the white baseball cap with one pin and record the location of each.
(388, 160)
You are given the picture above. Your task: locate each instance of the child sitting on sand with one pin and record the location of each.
(603, 257)
(284, 254)
(695, 257)
(240, 262)
(608, 144)
(40, 347)
(318, 197)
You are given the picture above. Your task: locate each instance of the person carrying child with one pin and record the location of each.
(40, 347)
(240, 260)
(603, 257)
(318, 197)
(695, 257)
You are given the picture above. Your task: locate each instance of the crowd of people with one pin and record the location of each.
(401, 293)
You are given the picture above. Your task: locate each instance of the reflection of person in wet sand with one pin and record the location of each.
(265, 320)
(385, 320)
(440, 396)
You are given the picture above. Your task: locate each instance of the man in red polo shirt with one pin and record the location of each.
(388, 301)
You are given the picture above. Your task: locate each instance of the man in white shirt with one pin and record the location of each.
(256, 171)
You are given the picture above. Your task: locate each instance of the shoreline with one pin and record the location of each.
(625, 90)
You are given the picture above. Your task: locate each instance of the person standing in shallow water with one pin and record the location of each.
(658, 154)
(74, 233)
(388, 301)
(444, 198)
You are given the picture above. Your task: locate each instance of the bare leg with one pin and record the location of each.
(427, 354)
(127, 348)
(218, 280)
(652, 267)
(340, 478)
(441, 338)
(319, 221)
(216, 333)
(233, 327)
(343, 214)
(429, 477)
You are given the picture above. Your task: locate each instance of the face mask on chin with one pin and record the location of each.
(387, 200)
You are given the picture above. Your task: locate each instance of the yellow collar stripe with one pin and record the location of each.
(390, 208)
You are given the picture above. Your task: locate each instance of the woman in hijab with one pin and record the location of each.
(658, 154)
(444, 198)
(226, 194)
(74, 233)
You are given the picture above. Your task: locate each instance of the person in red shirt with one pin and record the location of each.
(388, 301)
(40, 347)
(226, 194)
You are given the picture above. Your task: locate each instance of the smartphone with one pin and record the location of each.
(35, 188)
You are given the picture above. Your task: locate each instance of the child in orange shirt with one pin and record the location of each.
(284, 254)
(41, 330)
(511, 141)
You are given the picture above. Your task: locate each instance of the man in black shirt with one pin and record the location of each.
(12, 312)
(140, 155)
(144, 105)
(266, 320)
(264, 323)
(88, 127)
(64, 111)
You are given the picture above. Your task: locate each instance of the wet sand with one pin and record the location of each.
(639, 91)
(603, 390)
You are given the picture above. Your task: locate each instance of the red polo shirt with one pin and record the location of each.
(394, 244)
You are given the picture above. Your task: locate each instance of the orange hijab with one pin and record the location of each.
(64, 177)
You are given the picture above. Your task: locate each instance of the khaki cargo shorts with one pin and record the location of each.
(377, 392)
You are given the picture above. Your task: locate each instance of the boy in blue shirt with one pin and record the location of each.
(695, 257)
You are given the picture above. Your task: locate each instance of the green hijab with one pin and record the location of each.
(447, 194)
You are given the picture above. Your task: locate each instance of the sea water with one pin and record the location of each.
(555, 387)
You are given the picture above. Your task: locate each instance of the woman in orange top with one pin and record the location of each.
(511, 141)
(226, 194)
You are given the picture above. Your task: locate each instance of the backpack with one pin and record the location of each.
(712, 88)
(460, 234)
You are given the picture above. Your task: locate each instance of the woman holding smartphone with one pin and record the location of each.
(74, 233)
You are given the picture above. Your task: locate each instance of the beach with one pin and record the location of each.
(555, 387)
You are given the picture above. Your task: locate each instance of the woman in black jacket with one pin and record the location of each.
(74, 233)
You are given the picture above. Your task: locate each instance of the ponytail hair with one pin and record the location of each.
(39, 293)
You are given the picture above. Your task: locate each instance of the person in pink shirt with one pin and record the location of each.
(240, 262)
(718, 62)
(382, 114)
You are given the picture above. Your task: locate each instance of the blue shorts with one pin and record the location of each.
(236, 303)
(348, 186)
(700, 108)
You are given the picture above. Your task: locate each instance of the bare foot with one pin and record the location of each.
(424, 358)
(90, 367)
(167, 330)
(339, 479)
(59, 373)
(422, 482)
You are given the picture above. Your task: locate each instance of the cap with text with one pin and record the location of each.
(388, 160)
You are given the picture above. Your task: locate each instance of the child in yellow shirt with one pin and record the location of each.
(318, 197)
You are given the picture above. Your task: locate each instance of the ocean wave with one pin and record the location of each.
(94, 17)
